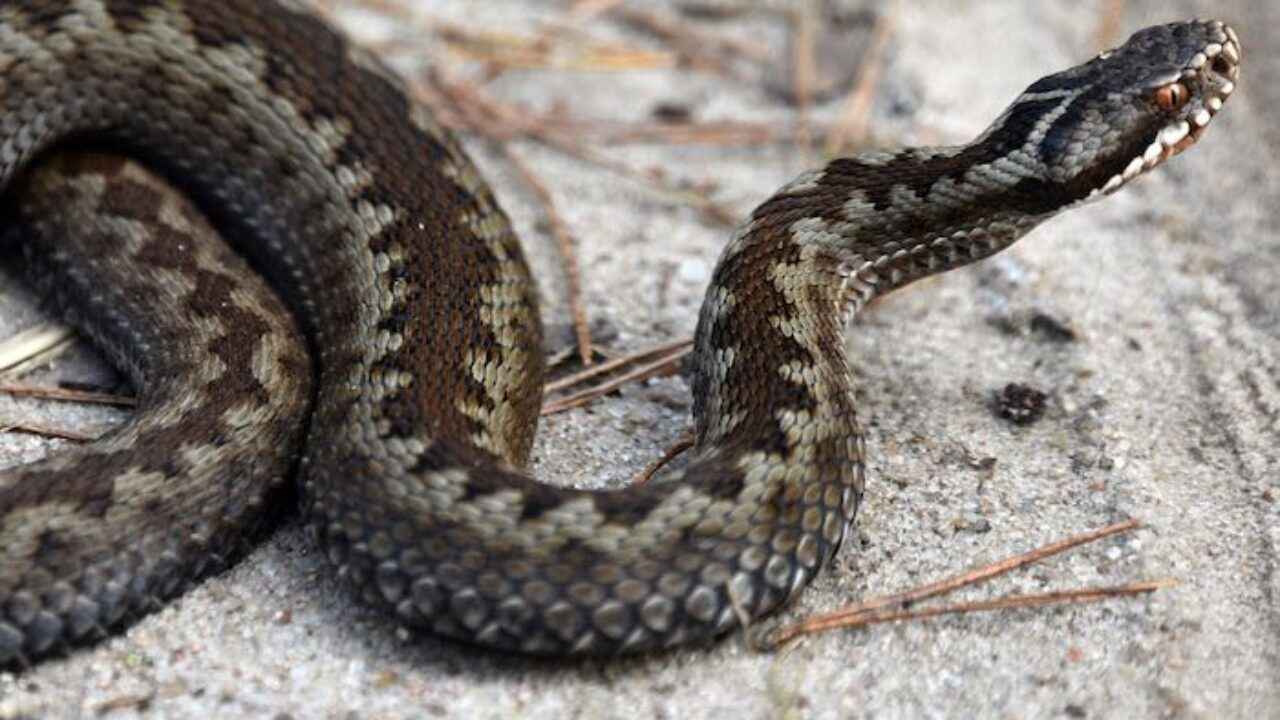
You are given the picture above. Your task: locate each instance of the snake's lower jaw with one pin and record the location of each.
(1191, 139)
(1169, 143)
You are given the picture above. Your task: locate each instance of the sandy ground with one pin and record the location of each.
(1163, 405)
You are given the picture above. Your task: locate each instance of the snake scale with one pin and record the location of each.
(421, 330)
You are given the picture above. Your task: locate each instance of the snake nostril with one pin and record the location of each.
(1221, 66)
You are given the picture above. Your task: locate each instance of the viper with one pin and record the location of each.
(136, 135)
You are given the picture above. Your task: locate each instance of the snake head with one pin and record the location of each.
(1093, 128)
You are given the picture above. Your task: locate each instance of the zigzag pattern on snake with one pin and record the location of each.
(420, 317)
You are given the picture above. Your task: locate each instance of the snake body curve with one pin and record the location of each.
(413, 296)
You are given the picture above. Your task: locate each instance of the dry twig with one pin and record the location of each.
(684, 442)
(1062, 597)
(567, 382)
(699, 50)
(872, 611)
(722, 133)
(667, 364)
(510, 51)
(34, 346)
(479, 113)
(68, 395)
(47, 431)
(588, 9)
(1110, 24)
(851, 127)
(568, 252)
(804, 26)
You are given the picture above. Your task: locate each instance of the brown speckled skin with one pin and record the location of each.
(421, 320)
(98, 534)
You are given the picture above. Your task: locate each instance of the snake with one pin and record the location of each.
(317, 296)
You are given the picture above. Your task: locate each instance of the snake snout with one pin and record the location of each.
(1214, 71)
(1188, 97)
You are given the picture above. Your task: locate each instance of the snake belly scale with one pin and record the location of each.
(420, 318)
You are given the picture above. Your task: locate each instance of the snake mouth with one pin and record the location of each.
(1216, 69)
(1197, 93)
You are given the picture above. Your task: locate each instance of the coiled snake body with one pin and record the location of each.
(414, 299)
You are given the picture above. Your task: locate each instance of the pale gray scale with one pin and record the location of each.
(952, 193)
(469, 608)
(808, 180)
(656, 613)
(777, 572)
(590, 643)
(702, 604)
(563, 619)
(613, 620)
(877, 158)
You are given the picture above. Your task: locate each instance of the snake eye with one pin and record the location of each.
(1172, 96)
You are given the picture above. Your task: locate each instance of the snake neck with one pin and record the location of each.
(829, 242)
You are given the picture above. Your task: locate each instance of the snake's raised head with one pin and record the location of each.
(1096, 126)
